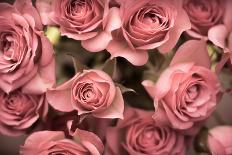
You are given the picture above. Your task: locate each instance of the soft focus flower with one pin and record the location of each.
(139, 134)
(220, 140)
(26, 55)
(91, 91)
(146, 25)
(90, 21)
(186, 92)
(54, 142)
(19, 111)
(204, 14)
(221, 36)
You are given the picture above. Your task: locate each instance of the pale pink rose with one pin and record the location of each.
(187, 91)
(204, 14)
(19, 112)
(54, 142)
(139, 134)
(147, 25)
(220, 140)
(221, 36)
(90, 21)
(90, 91)
(26, 55)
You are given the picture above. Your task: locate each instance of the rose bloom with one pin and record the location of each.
(220, 140)
(54, 142)
(91, 91)
(19, 112)
(186, 92)
(139, 134)
(203, 15)
(146, 25)
(90, 21)
(26, 55)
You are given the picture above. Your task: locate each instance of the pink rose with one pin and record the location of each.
(90, 21)
(221, 36)
(146, 25)
(139, 134)
(186, 92)
(54, 142)
(220, 140)
(204, 14)
(91, 91)
(26, 55)
(19, 111)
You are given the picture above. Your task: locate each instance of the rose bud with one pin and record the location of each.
(147, 25)
(204, 15)
(187, 92)
(139, 134)
(19, 112)
(26, 55)
(220, 140)
(90, 91)
(54, 142)
(90, 21)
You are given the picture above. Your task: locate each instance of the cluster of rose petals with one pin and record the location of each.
(26, 55)
(90, 91)
(90, 21)
(187, 91)
(19, 111)
(220, 140)
(204, 14)
(54, 142)
(139, 134)
(147, 25)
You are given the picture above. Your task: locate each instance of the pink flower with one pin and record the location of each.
(221, 36)
(139, 134)
(90, 21)
(19, 111)
(186, 92)
(220, 140)
(91, 91)
(204, 14)
(147, 25)
(26, 55)
(54, 142)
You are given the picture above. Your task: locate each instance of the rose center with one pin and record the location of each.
(192, 92)
(78, 7)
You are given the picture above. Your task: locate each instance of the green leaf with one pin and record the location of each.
(124, 89)
(79, 67)
(110, 67)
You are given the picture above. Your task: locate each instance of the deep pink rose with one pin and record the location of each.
(26, 55)
(186, 92)
(146, 25)
(204, 14)
(220, 140)
(19, 112)
(91, 91)
(54, 142)
(139, 134)
(90, 21)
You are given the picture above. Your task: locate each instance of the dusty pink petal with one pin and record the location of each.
(44, 8)
(74, 35)
(114, 138)
(227, 15)
(218, 35)
(115, 110)
(91, 141)
(182, 24)
(150, 87)
(113, 20)
(120, 49)
(44, 79)
(223, 61)
(97, 43)
(193, 51)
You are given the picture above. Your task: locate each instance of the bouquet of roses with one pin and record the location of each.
(116, 77)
